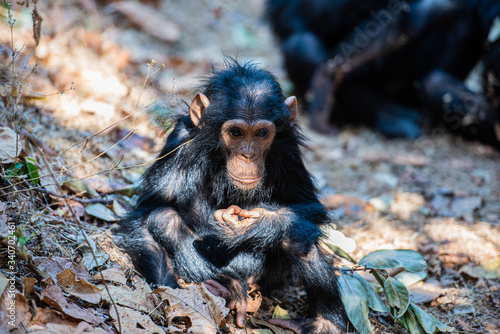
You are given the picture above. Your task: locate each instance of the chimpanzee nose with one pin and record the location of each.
(249, 156)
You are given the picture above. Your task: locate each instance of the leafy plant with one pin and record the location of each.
(359, 295)
(27, 169)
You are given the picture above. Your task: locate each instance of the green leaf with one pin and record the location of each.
(101, 211)
(397, 295)
(417, 321)
(423, 318)
(355, 299)
(441, 327)
(340, 252)
(389, 259)
(33, 173)
(410, 322)
(15, 169)
(374, 301)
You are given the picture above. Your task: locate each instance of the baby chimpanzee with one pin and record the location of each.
(230, 202)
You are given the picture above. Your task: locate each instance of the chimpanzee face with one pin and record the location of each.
(247, 144)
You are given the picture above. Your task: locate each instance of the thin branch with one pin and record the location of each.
(74, 198)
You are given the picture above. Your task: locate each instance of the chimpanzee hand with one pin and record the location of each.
(230, 218)
(240, 306)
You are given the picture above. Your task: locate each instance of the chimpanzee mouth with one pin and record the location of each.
(245, 180)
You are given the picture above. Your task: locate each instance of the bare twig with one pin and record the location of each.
(74, 198)
(19, 280)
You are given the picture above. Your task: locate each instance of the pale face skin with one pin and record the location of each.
(248, 144)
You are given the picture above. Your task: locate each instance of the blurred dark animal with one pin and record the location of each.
(380, 62)
(230, 203)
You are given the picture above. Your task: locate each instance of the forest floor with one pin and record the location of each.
(91, 107)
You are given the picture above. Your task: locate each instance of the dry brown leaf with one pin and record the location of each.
(49, 321)
(149, 20)
(55, 265)
(28, 285)
(112, 274)
(134, 322)
(124, 296)
(140, 286)
(204, 310)
(55, 298)
(46, 315)
(13, 311)
(9, 150)
(253, 305)
(78, 288)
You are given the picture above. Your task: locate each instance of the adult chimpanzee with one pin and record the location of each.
(380, 70)
(310, 30)
(230, 202)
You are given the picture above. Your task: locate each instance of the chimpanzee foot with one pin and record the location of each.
(317, 325)
(240, 306)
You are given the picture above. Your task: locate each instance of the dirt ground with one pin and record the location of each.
(106, 69)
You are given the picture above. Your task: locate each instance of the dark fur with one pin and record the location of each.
(172, 231)
(448, 36)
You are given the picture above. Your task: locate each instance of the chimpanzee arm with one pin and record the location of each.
(272, 224)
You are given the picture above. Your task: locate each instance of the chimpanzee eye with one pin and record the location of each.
(236, 132)
(261, 133)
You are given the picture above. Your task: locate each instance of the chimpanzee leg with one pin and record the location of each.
(149, 257)
(460, 109)
(303, 53)
(359, 102)
(320, 100)
(319, 279)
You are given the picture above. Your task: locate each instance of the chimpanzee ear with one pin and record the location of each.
(291, 103)
(198, 106)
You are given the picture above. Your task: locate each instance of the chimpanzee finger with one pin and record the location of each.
(218, 215)
(234, 209)
(231, 215)
(249, 213)
(240, 306)
(217, 289)
(241, 314)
